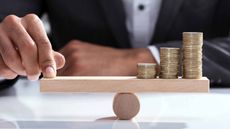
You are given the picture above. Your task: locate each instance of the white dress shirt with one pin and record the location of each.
(141, 19)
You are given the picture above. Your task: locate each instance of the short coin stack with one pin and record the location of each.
(192, 55)
(146, 70)
(169, 63)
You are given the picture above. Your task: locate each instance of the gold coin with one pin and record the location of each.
(169, 63)
(146, 70)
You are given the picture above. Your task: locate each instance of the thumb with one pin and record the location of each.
(59, 59)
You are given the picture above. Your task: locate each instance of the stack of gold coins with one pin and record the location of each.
(169, 63)
(146, 70)
(192, 55)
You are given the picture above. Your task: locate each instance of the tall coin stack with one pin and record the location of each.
(169, 63)
(192, 55)
(146, 70)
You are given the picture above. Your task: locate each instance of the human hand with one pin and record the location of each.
(26, 50)
(87, 59)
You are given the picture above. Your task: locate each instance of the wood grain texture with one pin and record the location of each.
(121, 84)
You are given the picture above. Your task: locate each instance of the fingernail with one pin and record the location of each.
(33, 77)
(49, 72)
(23, 73)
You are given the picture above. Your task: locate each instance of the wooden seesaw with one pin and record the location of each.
(126, 104)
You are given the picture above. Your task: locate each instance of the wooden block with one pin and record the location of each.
(121, 84)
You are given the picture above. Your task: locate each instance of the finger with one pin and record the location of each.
(10, 55)
(59, 59)
(45, 53)
(5, 72)
(63, 70)
(27, 47)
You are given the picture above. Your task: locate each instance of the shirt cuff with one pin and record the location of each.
(155, 52)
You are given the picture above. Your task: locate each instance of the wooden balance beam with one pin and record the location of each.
(126, 104)
(122, 84)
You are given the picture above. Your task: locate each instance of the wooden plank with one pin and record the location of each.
(129, 84)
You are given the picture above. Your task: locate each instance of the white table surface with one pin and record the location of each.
(24, 107)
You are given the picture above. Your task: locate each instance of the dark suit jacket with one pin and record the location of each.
(103, 22)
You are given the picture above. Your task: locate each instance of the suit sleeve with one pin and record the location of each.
(19, 8)
(216, 59)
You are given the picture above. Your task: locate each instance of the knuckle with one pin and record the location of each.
(10, 18)
(70, 45)
(72, 50)
(11, 21)
(31, 17)
(47, 62)
(73, 41)
(44, 43)
(74, 44)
